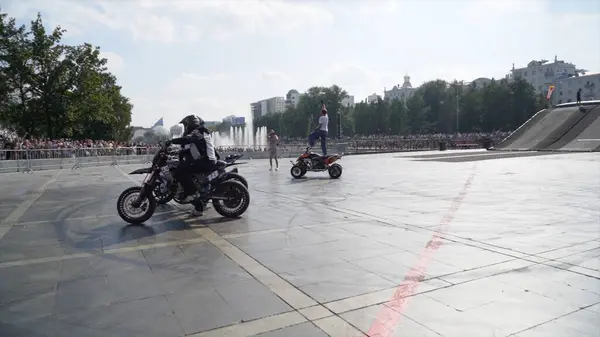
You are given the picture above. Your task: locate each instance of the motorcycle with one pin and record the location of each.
(313, 162)
(137, 204)
(167, 188)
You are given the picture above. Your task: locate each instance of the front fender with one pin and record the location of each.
(142, 171)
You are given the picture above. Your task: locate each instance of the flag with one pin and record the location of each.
(550, 91)
(158, 123)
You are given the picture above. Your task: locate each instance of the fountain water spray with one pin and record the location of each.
(242, 137)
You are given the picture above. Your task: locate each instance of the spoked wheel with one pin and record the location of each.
(237, 202)
(297, 171)
(335, 171)
(131, 214)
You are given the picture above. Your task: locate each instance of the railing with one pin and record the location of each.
(29, 160)
(54, 159)
(382, 146)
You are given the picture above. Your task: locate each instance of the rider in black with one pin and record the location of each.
(198, 155)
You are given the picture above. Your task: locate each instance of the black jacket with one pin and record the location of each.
(197, 145)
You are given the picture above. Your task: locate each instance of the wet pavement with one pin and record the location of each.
(398, 246)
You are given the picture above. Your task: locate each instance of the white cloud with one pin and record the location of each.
(226, 18)
(277, 76)
(486, 9)
(355, 79)
(167, 21)
(114, 63)
(182, 65)
(205, 95)
(151, 27)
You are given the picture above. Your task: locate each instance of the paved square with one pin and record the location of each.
(461, 243)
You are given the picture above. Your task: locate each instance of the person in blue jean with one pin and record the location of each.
(321, 131)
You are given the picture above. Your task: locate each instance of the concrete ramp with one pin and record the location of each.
(568, 128)
(544, 128)
(585, 136)
(507, 143)
(573, 121)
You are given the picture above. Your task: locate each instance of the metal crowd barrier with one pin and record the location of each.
(30, 160)
(381, 146)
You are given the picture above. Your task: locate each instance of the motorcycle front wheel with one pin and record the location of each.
(297, 171)
(238, 199)
(131, 214)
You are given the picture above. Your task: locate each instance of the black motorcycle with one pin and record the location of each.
(167, 188)
(137, 204)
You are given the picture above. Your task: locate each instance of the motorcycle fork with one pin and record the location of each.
(146, 188)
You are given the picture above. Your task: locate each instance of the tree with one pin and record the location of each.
(397, 119)
(432, 108)
(54, 90)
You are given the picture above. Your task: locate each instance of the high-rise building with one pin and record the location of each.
(541, 74)
(256, 109)
(372, 98)
(234, 120)
(565, 76)
(267, 106)
(566, 88)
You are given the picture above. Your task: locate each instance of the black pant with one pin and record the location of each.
(187, 167)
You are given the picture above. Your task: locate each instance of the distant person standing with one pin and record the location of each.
(273, 141)
(321, 131)
(579, 96)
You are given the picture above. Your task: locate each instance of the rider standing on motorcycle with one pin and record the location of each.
(198, 155)
(321, 131)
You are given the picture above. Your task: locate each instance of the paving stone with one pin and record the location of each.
(299, 330)
(518, 256)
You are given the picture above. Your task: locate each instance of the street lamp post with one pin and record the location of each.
(457, 109)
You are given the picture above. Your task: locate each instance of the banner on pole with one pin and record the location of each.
(550, 91)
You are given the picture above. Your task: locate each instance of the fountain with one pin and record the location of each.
(242, 137)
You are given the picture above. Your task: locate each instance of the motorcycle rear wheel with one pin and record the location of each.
(126, 210)
(231, 208)
(237, 177)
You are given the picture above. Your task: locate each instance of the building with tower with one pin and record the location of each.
(398, 92)
(292, 98)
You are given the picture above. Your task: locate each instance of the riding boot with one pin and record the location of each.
(198, 208)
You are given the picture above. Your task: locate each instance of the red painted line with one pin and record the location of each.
(389, 315)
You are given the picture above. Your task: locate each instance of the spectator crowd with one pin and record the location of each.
(15, 147)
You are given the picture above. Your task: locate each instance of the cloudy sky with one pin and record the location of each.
(213, 58)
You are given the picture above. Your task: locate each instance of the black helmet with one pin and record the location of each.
(190, 123)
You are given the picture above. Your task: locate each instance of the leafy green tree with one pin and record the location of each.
(397, 118)
(54, 90)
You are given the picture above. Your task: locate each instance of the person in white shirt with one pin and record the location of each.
(321, 131)
(273, 141)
